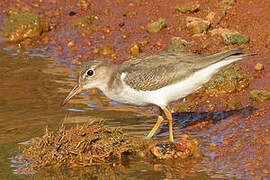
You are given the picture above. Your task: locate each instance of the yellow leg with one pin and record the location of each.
(170, 120)
(156, 126)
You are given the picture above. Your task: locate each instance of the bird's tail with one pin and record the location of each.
(239, 56)
(230, 55)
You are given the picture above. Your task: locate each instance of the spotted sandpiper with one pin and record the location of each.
(156, 79)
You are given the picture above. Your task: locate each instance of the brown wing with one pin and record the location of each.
(165, 58)
(159, 59)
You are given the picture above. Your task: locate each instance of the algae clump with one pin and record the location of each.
(80, 147)
(95, 145)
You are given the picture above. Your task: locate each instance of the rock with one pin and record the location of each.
(106, 50)
(177, 44)
(211, 42)
(135, 49)
(259, 95)
(197, 25)
(143, 43)
(71, 44)
(124, 36)
(12, 11)
(84, 4)
(215, 17)
(164, 150)
(259, 67)
(234, 104)
(188, 8)
(131, 13)
(84, 24)
(231, 37)
(26, 25)
(156, 26)
(186, 148)
(238, 39)
(210, 16)
(226, 4)
(200, 28)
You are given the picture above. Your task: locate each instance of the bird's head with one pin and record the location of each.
(94, 74)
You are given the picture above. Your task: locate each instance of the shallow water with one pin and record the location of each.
(32, 87)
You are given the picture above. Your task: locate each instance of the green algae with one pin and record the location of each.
(238, 39)
(177, 44)
(24, 25)
(231, 37)
(230, 79)
(259, 95)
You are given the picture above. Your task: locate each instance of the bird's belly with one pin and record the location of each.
(129, 97)
(160, 97)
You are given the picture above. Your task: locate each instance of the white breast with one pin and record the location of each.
(163, 96)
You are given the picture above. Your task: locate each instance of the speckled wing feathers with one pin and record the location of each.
(155, 78)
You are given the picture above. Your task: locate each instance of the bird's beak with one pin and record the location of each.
(72, 93)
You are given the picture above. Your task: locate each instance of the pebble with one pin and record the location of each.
(71, 44)
(259, 67)
(135, 49)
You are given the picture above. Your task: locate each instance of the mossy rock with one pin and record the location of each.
(234, 104)
(231, 37)
(197, 25)
(230, 79)
(84, 24)
(237, 39)
(259, 95)
(106, 50)
(135, 50)
(156, 26)
(177, 44)
(25, 25)
(200, 28)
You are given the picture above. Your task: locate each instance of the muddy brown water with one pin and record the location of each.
(32, 86)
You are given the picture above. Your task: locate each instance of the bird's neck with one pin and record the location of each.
(112, 79)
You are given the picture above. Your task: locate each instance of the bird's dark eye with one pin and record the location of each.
(90, 72)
